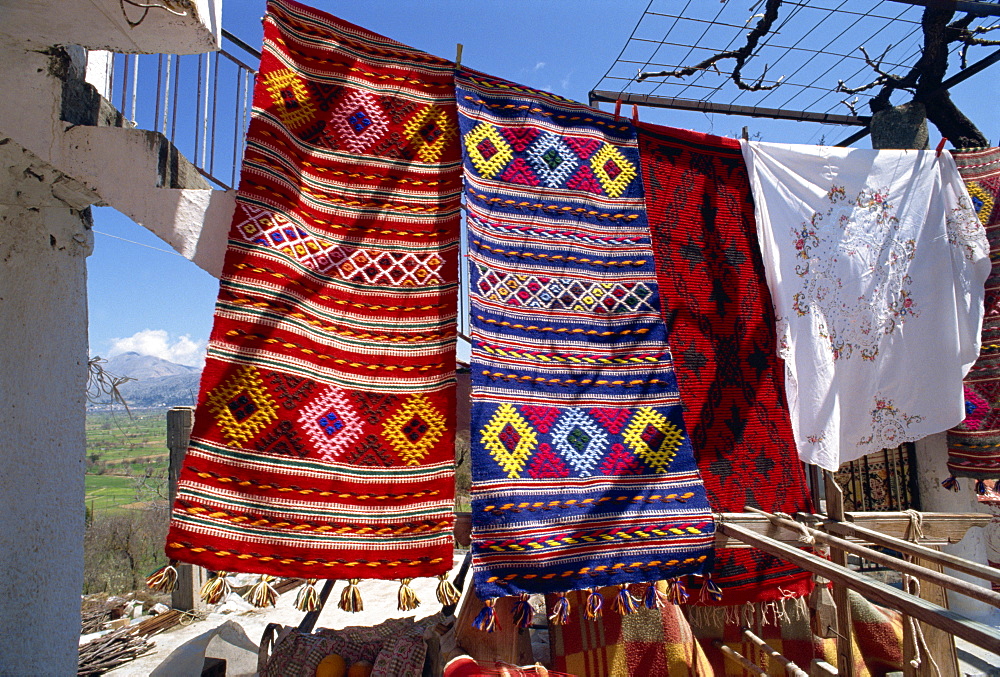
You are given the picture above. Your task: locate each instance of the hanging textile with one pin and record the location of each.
(876, 264)
(322, 445)
(974, 444)
(883, 481)
(583, 474)
(718, 309)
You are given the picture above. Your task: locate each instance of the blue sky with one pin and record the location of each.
(144, 297)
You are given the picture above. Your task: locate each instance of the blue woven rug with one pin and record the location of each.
(583, 475)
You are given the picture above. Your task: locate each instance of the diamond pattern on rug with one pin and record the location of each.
(488, 150)
(241, 405)
(359, 121)
(555, 293)
(331, 423)
(579, 440)
(290, 97)
(414, 429)
(509, 439)
(653, 438)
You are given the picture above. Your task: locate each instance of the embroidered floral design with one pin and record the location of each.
(853, 268)
(966, 231)
(889, 425)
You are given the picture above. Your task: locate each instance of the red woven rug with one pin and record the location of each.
(323, 439)
(720, 322)
(974, 444)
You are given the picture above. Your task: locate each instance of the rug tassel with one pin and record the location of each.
(523, 613)
(624, 601)
(676, 591)
(261, 594)
(595, 604)
(487, 618)
(652, 598)
(981, 487)
(350, 598)
(710, 591)
(951, 483)
(447, 593)
(406, 599)
(560, 611)
(215, 589)
(308, 598)
(163, 579)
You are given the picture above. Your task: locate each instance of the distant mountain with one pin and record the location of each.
(159, 383)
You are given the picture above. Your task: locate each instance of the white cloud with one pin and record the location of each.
(540, 65)
(159, 343)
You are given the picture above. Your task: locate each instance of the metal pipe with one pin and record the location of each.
(135, 83)
(215, 103)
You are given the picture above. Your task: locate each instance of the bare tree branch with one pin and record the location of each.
(741, 56)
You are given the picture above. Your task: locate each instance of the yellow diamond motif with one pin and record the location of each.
(430, 132)
(291, 99)
(488, 150)
(414, 429)
(613, 170)
(653, 438)
(241, 406)
(983, 198)
(510, 439)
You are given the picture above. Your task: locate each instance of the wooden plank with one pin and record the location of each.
(509, 644)
(738, 658)
(972, 590)
(915, 549)
(190, 578)
(972, 631)
(845, 625)
(940, 644)
(946, 527)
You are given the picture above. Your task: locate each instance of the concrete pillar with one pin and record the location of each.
(44, 242)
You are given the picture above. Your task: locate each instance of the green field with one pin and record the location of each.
(123, 449)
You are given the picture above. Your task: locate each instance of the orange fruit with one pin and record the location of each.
(333, 665)
(360, 669)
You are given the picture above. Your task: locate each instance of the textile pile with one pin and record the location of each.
(322, 446)
(583, 473)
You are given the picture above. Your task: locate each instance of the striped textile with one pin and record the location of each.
(583, 474)
(323, 439)
(974, 444)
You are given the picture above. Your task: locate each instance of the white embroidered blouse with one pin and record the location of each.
(876, 265)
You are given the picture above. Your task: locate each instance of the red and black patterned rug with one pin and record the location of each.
(721, 326)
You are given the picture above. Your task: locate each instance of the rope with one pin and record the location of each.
(911, 584)
(804, 535)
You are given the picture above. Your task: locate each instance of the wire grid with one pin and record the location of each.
(811, 46)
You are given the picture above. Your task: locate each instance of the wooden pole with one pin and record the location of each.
(190, 578)
(950, 582)
(915, 549)
(790, 667)
(972, 631)
(841, 590)
(738, 658)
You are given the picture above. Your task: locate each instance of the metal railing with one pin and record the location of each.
(201, 102)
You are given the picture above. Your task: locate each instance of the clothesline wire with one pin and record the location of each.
(147, 246)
